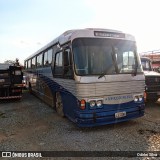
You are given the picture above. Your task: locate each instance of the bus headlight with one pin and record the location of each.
(136, 98)
(92, 103)
(140, 98)
(99, 103)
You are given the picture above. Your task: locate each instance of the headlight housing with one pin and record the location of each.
(95, 103)
(138, 98)
(99, 103)
(92, 103)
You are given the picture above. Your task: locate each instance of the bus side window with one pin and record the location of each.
(25, 64)
(39, 60)
(29, 63)
(45, 59)
(48, 57)
(58, 69)
(67, 64)
(33, 64)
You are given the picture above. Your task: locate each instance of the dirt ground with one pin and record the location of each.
(31, 125)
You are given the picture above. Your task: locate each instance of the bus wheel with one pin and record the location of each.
(59, 105)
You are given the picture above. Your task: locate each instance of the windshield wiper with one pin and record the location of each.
(101, 75)
(114, 59)
(136, 64)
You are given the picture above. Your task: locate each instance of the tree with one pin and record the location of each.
(12, 62)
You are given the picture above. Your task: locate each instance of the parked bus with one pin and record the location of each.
(91, 76)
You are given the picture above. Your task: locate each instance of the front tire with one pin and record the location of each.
(59, 105)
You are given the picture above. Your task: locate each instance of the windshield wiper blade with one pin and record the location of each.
(136, 63)
(102, 75)
(113, 53)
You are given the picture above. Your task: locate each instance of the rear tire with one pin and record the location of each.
(59, 105)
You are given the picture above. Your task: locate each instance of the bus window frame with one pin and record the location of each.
(35, 62)
(70, 64)
(39, 66)
(57, 75)
(46, 52)
(63, 75)
(29, 64)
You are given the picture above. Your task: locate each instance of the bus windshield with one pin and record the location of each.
(96, 56)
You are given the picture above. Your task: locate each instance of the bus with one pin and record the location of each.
(91, 76)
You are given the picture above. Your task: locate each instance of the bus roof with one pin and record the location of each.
(70, 35)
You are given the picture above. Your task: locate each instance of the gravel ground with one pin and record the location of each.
(31, 125)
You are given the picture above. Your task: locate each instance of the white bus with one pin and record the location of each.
(91, 76)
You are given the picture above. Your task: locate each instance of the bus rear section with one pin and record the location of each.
(10, 82)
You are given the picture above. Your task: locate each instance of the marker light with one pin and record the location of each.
(83, 104)
(138, 98)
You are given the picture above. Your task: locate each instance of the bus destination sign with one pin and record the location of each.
(109, 34)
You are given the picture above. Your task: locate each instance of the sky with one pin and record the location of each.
(28, 25)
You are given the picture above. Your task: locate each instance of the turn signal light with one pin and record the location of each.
(145, 95)
(83, 104)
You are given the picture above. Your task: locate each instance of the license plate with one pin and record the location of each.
(2, 80)
(120, 114)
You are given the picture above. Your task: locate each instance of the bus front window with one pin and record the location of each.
(104, 56)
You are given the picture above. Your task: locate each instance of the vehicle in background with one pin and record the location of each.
(91, 76)
(24, 82)
(11, 77)
(152, 80)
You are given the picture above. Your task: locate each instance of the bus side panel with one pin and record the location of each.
(67, 89)
(41, 85)
(45, 87)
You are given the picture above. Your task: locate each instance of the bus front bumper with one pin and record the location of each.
(108, 117)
